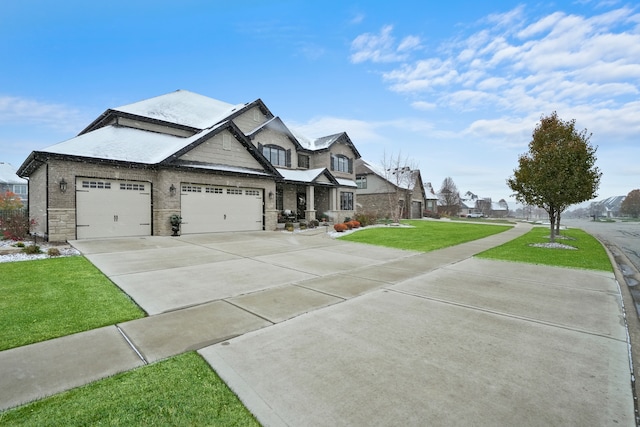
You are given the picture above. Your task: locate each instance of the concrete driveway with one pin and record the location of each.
(308, 330)
(164, 274)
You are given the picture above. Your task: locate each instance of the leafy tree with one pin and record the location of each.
(558, 171)
(9, 201)
(449, 197)
(631, 204)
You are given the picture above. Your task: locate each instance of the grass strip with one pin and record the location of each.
(590, 253)
(181, 391)
(50, 298)
(424, 236)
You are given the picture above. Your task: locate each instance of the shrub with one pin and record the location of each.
(366, 219)
(53, 252)
(431, 214)
(314, 223)
(19, 245)
(348, 225)
(340, 227)
(15, 224)
(288, 226)
(354, 223)
(32, 249)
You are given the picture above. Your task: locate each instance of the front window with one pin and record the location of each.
(346, 201)
(361, 181)
(276, 155)
(303, 161)
(341, 164)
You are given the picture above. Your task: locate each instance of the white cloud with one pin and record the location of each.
(382, 47)
(423, 105)
(22, 111)
(525, 65)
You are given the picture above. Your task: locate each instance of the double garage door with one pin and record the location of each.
(210, 209)
(112, 208)
(116, 208)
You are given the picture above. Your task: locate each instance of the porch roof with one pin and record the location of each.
(308, 176)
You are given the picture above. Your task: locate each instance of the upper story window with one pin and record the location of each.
(341, 163)
(303, 161)
(361, 181)
(20, 189)
(277, 155)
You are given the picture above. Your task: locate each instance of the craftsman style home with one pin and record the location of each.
(379, 188)
(220, 167)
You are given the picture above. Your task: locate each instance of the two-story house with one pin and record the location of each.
(380, 190)
(220, 166)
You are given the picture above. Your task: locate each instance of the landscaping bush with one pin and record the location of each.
(340, 227)
(14, 224)
(348, 225)
(314, 223)
(32, 249)
(53, 252)
(354, 223)
(365, 219)
(431, 214)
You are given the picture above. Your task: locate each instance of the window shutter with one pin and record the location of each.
(288, 158)
(350, 165)
(332, 159)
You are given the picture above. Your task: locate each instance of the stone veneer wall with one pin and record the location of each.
(61, 213)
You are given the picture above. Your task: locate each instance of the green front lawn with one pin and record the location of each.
(424, 236)
(181, 391)
(590, 254)
(50, 298)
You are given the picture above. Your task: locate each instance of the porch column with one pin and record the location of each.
(310, 213)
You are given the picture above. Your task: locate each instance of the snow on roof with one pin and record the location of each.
(307, 175)
(317, 143)
(184, 108)
(428, 191)
(123, 144)
(404, 178)
(346, 182)
(8, 175)
(225, 168)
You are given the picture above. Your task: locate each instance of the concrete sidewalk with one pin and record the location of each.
(312, 331)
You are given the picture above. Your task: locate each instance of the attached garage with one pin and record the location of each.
(208, 209)
(112, 208)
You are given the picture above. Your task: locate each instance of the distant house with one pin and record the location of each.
(609, 207)
(220, 166)
(10, 181)
(430, 198)
(378, 188)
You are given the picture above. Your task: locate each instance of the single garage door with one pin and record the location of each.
(210, 209)
(112, 208)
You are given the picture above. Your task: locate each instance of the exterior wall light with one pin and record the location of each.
(63, 185)
(270, 195)
(172, 190)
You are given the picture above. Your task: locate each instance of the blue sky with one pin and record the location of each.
(455, 88)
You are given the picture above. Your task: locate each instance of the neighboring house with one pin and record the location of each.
(10, 181)
(221, 167)
(430, 198)
(379, 188)
(499, 210)
(609, 207)
(467, 207)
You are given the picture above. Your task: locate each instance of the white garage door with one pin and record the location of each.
(209, 209)
(112, 208)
